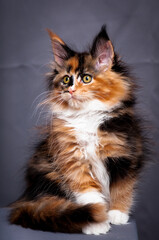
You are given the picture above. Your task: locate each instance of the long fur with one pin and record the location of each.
(83, 173)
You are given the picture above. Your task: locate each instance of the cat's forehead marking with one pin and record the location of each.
(81, 59)
(72, 64)
(76, 64)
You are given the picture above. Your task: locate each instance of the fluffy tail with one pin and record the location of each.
(55, 214)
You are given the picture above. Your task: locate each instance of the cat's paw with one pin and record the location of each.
(97, 228)
(117, 217)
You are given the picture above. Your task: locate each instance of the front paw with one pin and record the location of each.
(96, 228)
(117, 217)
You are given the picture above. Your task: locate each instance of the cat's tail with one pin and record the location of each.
(55, 214)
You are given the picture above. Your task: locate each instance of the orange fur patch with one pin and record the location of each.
(53, 37)
(73, 62)
(112, 145)
(110, 88)
(72, 167)
(121, 194)
(59, 212)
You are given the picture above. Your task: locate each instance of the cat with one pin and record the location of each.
(82, 175)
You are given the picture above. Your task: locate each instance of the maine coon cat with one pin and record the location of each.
(82, 175)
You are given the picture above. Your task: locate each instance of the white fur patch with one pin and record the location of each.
(117, 217)
(97, 228)
(89, 197)
(85, 123)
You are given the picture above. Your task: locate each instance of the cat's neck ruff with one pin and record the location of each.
(89, 109)
(87, 119)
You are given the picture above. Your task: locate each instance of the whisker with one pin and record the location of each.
(40, 114)
(47, 100)
(36, 108)
(41, 94)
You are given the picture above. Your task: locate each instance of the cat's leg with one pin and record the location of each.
(94, 197)
(89, 192)
(86, 190)
(121, 199)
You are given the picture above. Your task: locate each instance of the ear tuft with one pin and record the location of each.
(60, 50)
(102, 50)
(53, 36)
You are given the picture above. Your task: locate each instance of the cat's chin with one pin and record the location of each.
(75, 103)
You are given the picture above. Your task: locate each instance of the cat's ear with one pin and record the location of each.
(60, 50)
(102, 50)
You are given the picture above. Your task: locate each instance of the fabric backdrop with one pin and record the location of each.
(25, 51)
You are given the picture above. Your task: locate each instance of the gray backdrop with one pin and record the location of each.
(24, 54)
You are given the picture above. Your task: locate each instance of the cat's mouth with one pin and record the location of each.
(68, 96)
(73, 99)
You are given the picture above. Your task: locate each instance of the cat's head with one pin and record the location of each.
(95, 78)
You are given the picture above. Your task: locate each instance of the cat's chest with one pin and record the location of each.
(85, 128)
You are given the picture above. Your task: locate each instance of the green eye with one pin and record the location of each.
(87, 78)
(66, 79)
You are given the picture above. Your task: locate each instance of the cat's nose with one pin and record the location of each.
(71, 90)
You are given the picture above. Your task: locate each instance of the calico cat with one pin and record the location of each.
(82, 175)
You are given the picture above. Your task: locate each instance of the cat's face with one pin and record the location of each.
(82, 78)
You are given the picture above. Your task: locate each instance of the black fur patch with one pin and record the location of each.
(71, 81)
(39, 186)
(122, 167)
(120, 67)
(80, 67)
(67, 220)
(101, 35)
(129, 103)
(69, 51)
(118, 168)
(124, 123)
(69, 68)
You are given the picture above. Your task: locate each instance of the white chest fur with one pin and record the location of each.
(85, 125)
